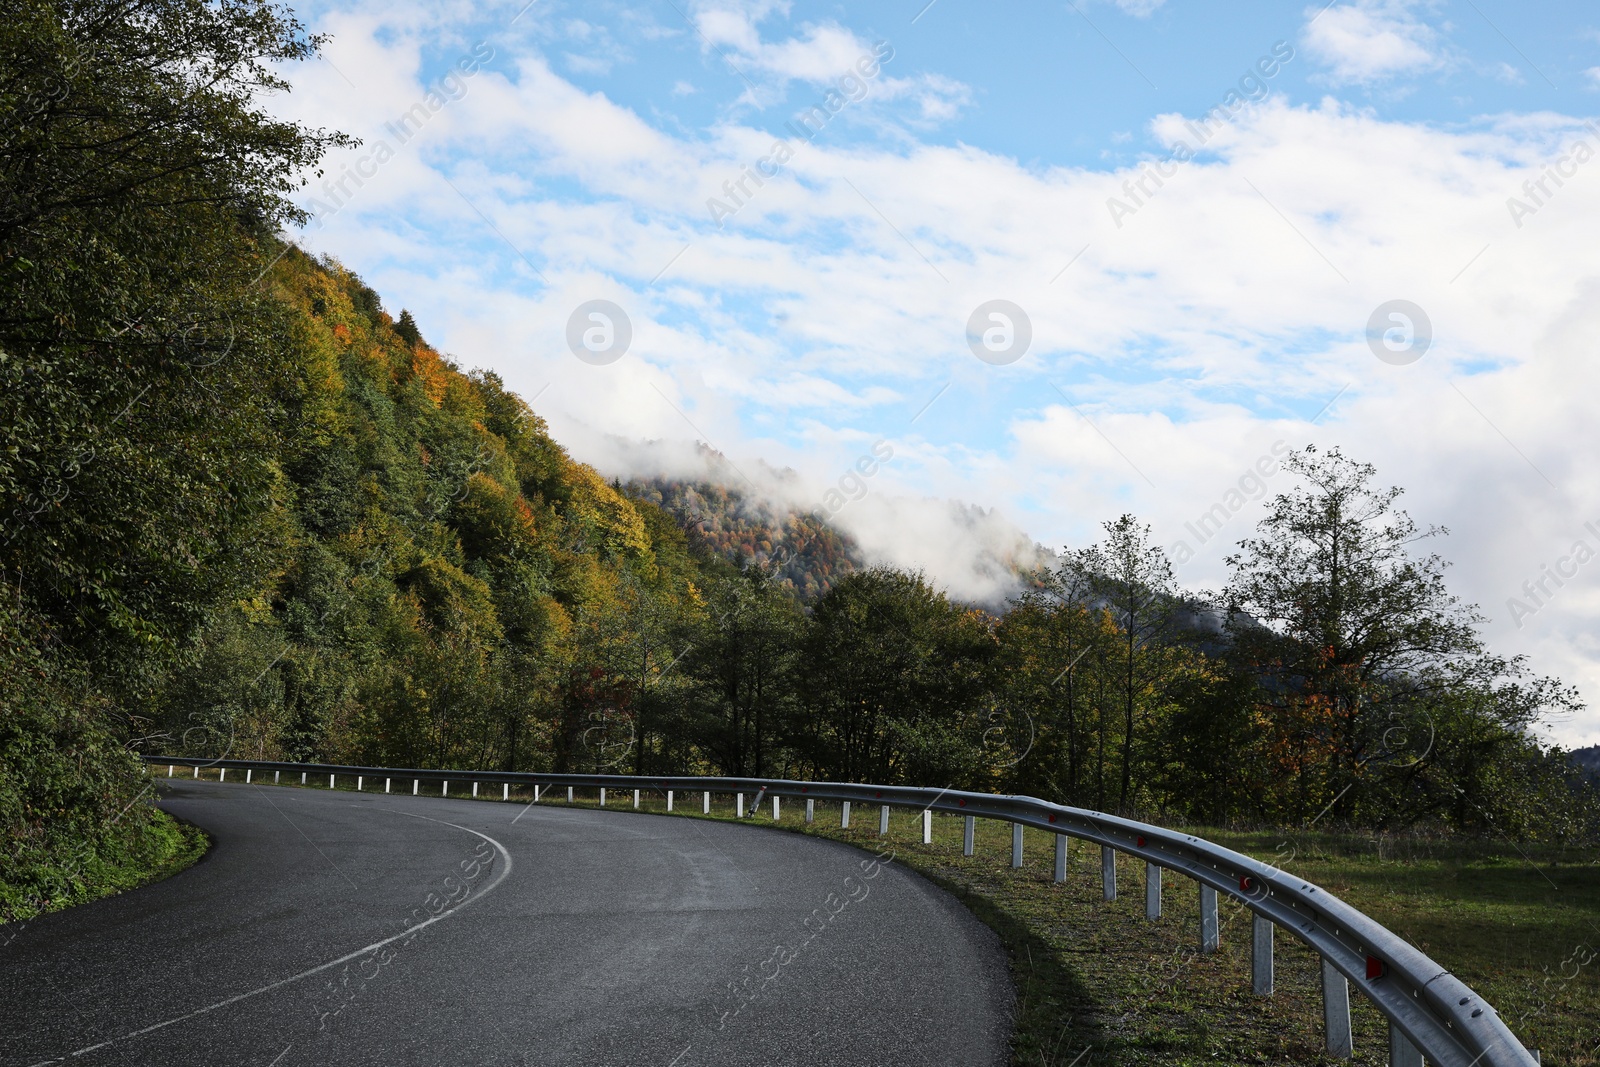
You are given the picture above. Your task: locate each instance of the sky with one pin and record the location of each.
(1032, 265)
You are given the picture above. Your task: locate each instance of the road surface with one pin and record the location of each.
(342, 928)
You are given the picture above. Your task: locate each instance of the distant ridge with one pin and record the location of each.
(806, 554)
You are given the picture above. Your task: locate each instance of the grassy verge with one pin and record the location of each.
(1098, 983)
(162, 847)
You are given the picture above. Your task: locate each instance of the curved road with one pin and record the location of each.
(345, 929)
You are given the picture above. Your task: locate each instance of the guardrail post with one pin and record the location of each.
(927, 826)
(569, 794)
(1261, 958)
(1209, 931)
(445, 790)
(705, 805)
(1108, 872)
(740, 804)
(223, 775)
(274, 777)
(302, 775)
(883, 820)
(775, 816)
(1061, 858)
(1336, 1011)
(1152, 890)
(811, 810)
(505, 791)
(1016, 844)
(1402, 1053)
(669, 800)
(635, 800)
(966, 835)
(602, 796)
(844, 815)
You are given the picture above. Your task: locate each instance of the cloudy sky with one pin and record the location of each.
(1060, 260)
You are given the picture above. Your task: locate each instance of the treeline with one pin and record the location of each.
(247, 513)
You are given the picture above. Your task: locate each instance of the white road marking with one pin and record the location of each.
(407, 932)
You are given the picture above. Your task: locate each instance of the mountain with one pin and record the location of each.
(806, 554)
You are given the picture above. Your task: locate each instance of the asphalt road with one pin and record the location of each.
(342, 929)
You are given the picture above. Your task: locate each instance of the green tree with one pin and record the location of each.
(1359, 646)
(896, 683)
(1133, 578)
(742, 658)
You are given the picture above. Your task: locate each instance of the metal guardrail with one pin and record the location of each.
(1431, 1012)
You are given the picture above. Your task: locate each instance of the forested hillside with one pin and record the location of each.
(247, 512)
(804, 553)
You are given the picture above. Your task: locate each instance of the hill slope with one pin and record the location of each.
(804, 553)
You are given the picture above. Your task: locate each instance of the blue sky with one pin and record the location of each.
(1191, 299)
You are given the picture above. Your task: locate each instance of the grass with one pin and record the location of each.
(1098, 983)
(163, 847)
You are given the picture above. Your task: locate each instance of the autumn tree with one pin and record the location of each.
(1358, 644)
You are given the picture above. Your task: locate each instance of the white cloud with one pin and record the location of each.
(1593, 74)
(1372, 40)
(819, 57)
(1141, 9)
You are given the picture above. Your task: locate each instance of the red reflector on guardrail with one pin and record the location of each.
(1375, 967)
(1247, 883)
(1141, 841)
(1052, 818)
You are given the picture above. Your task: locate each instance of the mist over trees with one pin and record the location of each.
(248, 514)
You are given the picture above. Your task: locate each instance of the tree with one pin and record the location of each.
(1134, 579)
(141, 181)
(1052, 644)
(895, 679)
(1357, 641)
(406, 327)
(742, 657)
